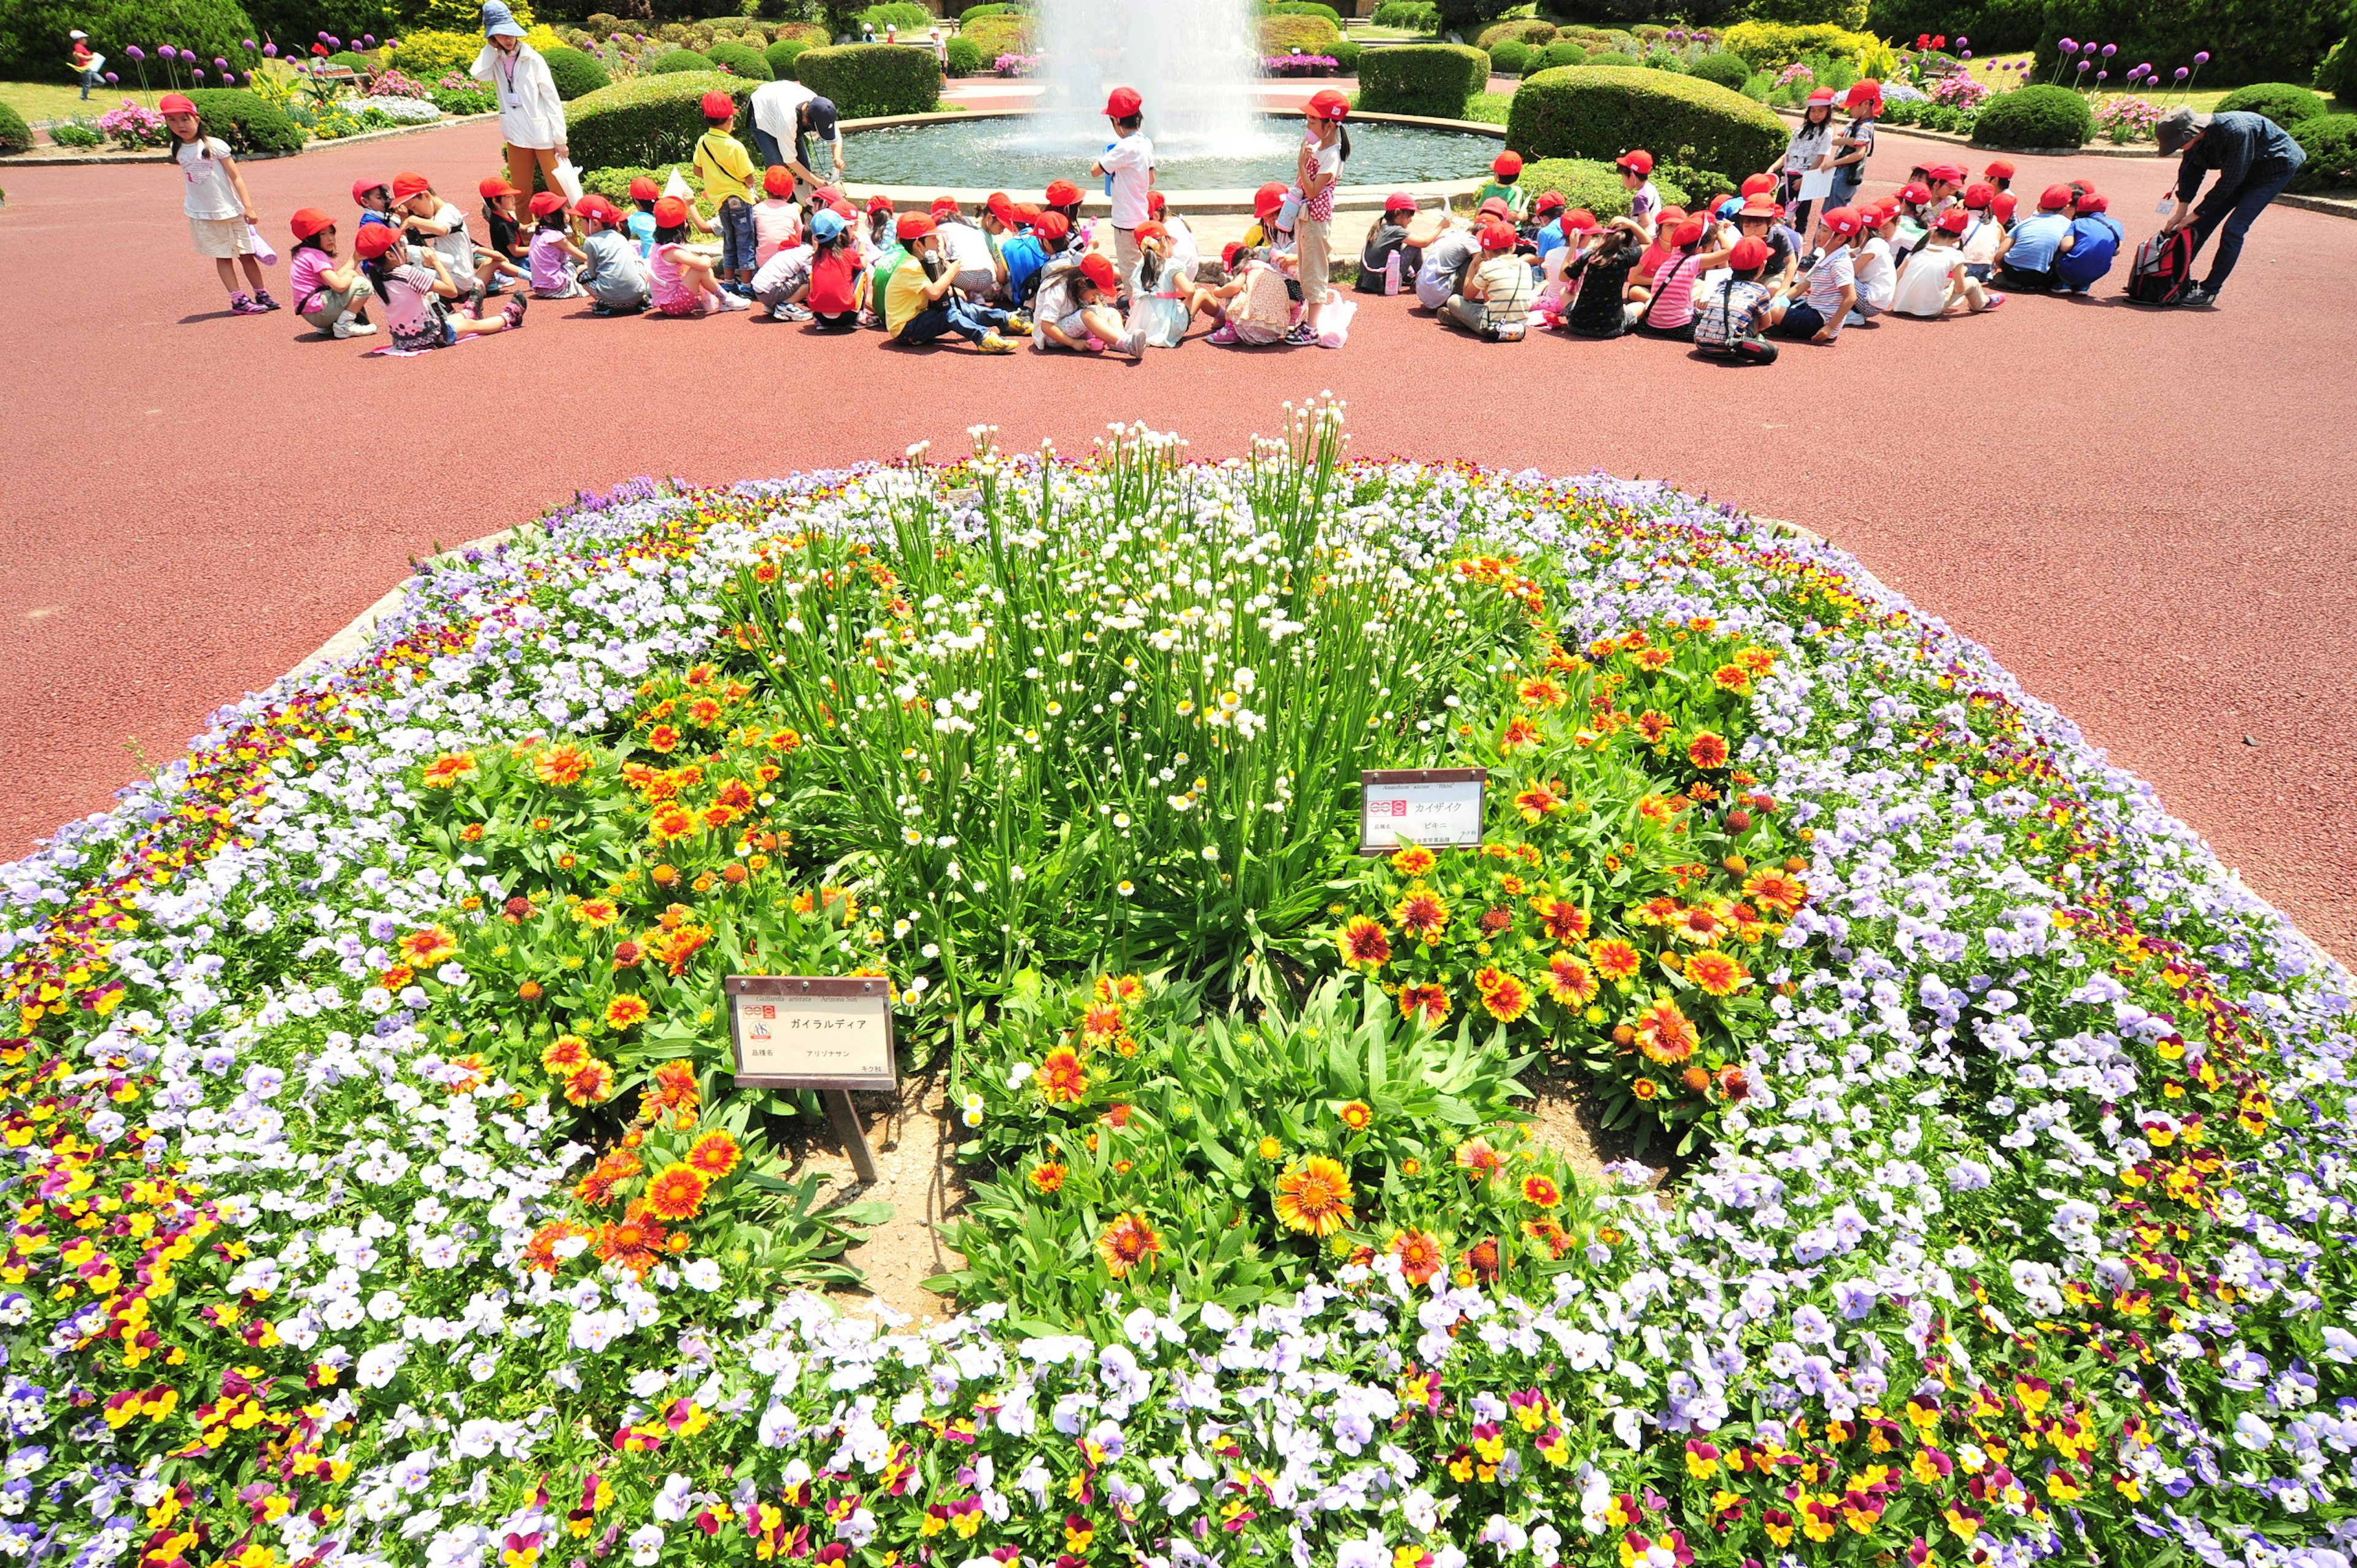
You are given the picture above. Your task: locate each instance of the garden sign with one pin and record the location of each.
(830, 1032)
(1439, 808)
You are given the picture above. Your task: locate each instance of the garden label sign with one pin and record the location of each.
(830, 1033)
(1439, 808)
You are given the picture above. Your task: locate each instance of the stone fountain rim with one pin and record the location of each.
(1347, 199)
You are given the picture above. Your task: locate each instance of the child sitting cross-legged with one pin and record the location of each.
(680, 282)
(415, 284)
(554, 256)
(922, 303)
(1495, 299)
(612, 273)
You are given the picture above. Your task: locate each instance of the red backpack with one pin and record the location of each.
(2163, 268)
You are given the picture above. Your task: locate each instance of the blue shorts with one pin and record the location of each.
(738, 239)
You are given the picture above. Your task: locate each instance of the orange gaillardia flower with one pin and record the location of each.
(591, 1083)
(422, 950)
(1129, 1243)
(1477, 1159)
(1364, 943)
(566, 1053)
(541, 1255)
(1429, 1003)
(1614, 959)
(1102, 1022)
(1540, 1190)
(444, 771)
(1665, 1034)
(676, 1192)
(1564, 920)
(625, 1010)
(1570, 982)
(1356, 1115)
(1717, 975)
(1062, 1079)
(1422, 914)
(1414, 860)
(1707, 750)
(1777, 891)
(636, 1241)
(714, 1154)
(1314, 1195)
(561, 765)
(1540, 800)
(1048, 1177)
(1507, 999)
(1419, 1254)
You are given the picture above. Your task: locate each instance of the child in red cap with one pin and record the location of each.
(221, 213)
(922, 303)
(1325, 148)
(1385, 263)
(2026, 260)
(1494, 303)
(1127, 168)
(431, 224)
(1809, 151)
(1855, 143)
(613, 274)
(1073, 308)
(1734, 310)
(776, 216)
(420, 296)
(555, 259)
(1257, 298)
(374, 198)
(510, 236)
(1505, 184)
(1937, 280)
(726, 171)
(679, 281)
(1645, 201)
(639, 223)
(331, 298)
(1831, 291)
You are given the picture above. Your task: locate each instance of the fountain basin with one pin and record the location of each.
(911, 158)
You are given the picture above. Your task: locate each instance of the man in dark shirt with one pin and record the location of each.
(2254, 159)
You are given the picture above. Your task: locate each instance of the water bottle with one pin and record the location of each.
(1392, 272)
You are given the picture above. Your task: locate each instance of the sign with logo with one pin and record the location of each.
(812, 1032)
(1439, 808)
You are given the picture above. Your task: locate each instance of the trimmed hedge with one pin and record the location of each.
(1415, 16)
(897, 14)
(2038, 116)
(1013, 33)
(1303, 8)
(1771, 45)
(1729, 71)
(33, 33)
(1613, 58)
(1849, 15)
(1597, 187)
(1437, 80)
(2247, 40)
(1310, 35)
(15, 136)
(782, 56)
(248, 122)
(1346, 57)
(2281, 101)
(647, 120)
(2331, 142)
(867, 80)
(1528, 33)
(1563, 51)
(741, 60)
(965, 58)
(678, 60)
(1510, 57)
(428, 55)
(1601, 112)
(575, 73)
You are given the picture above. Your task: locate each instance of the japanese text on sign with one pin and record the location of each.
(782, 1032)
(1438, 808)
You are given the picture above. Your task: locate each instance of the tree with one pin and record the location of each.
(1469, 16)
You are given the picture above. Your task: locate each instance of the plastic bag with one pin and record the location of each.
(568, 177)
(261, 250)
(1334, 323)
(677, 186)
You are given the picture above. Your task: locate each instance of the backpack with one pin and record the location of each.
(2163, 268)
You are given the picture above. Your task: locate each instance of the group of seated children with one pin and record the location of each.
(1736, 273)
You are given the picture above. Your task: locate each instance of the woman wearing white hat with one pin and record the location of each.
(531, 116)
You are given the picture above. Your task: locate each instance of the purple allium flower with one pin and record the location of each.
(2202, 58)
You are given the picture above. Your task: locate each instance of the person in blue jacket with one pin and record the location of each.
(2254, 159)
(2087, 254)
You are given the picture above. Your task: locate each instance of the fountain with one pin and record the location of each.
(1196, 63)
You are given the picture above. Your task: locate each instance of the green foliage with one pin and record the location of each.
(1346, 57)
(1310, 35)
(680, 60)
(1510, 57)
(473, 99)
(2285, 104)
(782, 56)
(74, 133)
(1303, 8)
(1417, 15)
(1848, 15)
(298, 21)
(1563, 51)
(246, 120)
(1526, 31)
(33, 33)
(647, 120)
(1601, 112)
(1663, 60)
(575, 73)
(1012, 33)
(15, 136)
(1771, 45)
(965, 58)
(614, 184)
(2038, 116)
(976, 13)
(428, 55)
(1612, 58)
(1421, 78)
(741, 60)
(1465, 17)
(1995, 27)
(1587, 183)
(2334, 78)
(868, 79)
(2331, 142)
(902, 14)
(2247, 40)
(1726, 70)
(349, 60)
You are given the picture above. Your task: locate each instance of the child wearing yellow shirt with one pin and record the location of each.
(726, 170)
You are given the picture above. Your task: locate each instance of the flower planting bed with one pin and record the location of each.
(380, 1192)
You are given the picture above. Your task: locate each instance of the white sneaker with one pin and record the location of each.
(1135, 344)
(733, 301)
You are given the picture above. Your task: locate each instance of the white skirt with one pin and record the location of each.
(223, 239)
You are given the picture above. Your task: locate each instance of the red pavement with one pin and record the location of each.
(2144, 515)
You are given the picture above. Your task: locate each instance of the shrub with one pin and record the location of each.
(649, 119)
(346, 59)
(1771, 45)
(1522, 32)
(1510, 58)
(2334, 78)
(1601, 112)
(976, 13)
(1726, 70)
(1995, 27)
(1613, 57)
(614, 184)
(965, 58)
(1304, 9)
(867, 80)
(1308, 34)
(1346, 57)
(74, 133)
(575, 73)
(809, 33)
(1848, 15)
(1421, 78)
(1011, 34)
(740, 61)
(2331, 142)
(1585, 182)
(469, 99)
(248, 122)
(1419, 15)
(1563, 51)
(2247, 40)
(428, 55)
(15, 136)
(782, 56)
(2281, 101)
(2035, 117)
(675, 60)
(1759, 85)
(897, 14)
(33, 33)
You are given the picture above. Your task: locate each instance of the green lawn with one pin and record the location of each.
(2002, 73)
(1490, 108)
(38, 101)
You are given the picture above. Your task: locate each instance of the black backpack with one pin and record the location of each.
(2163, 268)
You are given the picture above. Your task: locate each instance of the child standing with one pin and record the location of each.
(1325, 148)
(612, 272)
(415, 291)
(221, 213)
(327, 297)
(1505, 184)
(1128, 169)
(554, 254)
(1855, 145)
(726, 169)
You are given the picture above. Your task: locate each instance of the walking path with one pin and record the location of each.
(2147, 516)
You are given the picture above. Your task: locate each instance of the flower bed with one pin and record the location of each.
(380, 1194)
(1298, 64)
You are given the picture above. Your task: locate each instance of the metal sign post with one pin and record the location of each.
(830, 1032)
(1439, 808)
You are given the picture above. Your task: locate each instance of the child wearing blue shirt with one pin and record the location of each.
(2087, 254)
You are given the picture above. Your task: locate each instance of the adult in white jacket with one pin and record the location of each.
(531, 116)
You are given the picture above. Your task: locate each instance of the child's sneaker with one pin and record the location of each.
(733, 301)
(246, 304)
(792, 312)
(1223, 337)
(1300, 335)
(1135, 344)
(354, 330)
(262, 297)
(1018, 324)
(513, 313)
(991, 343)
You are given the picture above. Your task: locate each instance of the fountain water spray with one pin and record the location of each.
(1195, 62)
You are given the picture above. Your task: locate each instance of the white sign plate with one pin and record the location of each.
(1439, 808)
(812, 1032)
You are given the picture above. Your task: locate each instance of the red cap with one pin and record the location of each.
(1099, 271)
(1001, 206)
(1760, 207)
(1639, 162)
(1329, 105)
(1916, 195)
(943, 204)
(1063, 193)
(879, 202)
(1997, 169)
(1689, 232)
(1399, 202)
(1947, 174)
(778, 180)
(1267, 200)
(1821, 95)
(2091, 203)
(671, 213)
(1156, 203)
(1550, 202)
(644, 189)
(843, 210)
(1506, 166)
(547, 202)
(1748, 254)
(1497, 237)
(495, 187)
(1051, 225)
(175, 103)
(1579, 219)
(596, 207)
(360, 188)
(310, 220)
(827, 195)
(408, 183)
(1123, 103)
(2057, 198)
(719, 105)
(1845, 221)
(1759, 184)
(1979, 194)
(913, 226)
(374, 239)
(1146, 232)
(1862, 93)
(1229, 252)
(2005, 203)
(1495, 208)
(1670, 218)
(1955, 221)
